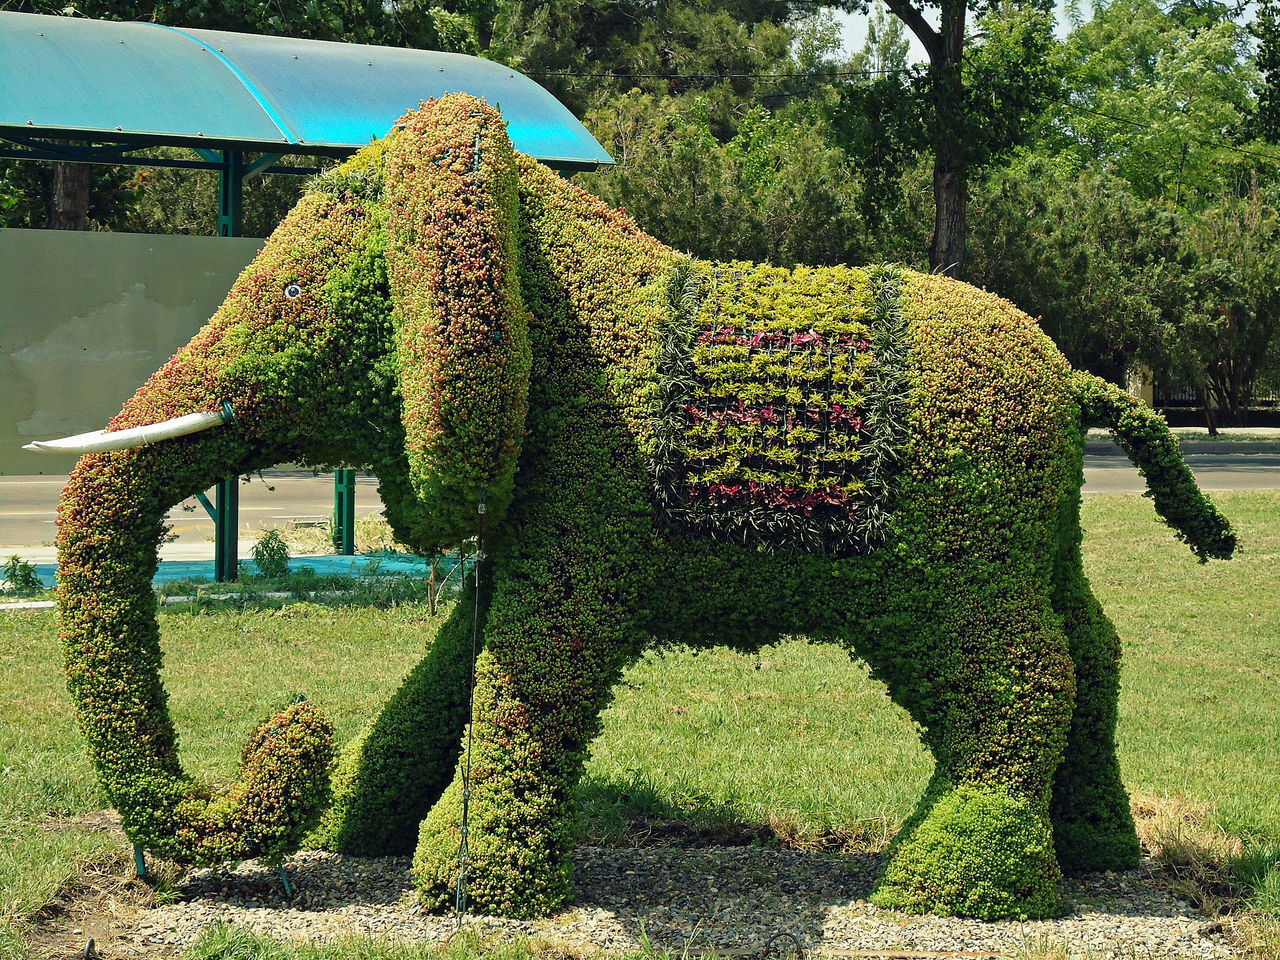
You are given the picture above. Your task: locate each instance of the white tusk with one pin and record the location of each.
(100, 440)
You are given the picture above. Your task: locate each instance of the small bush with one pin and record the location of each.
(21, 576)
(271, 554)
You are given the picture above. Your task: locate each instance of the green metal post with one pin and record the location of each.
(226, 539)
(344, 512)
(231, 205)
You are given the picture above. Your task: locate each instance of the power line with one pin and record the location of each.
(815, 79)
(780, 88)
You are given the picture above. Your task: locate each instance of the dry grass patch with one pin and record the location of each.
(1180, 835)
(100, 905)
(1202, 861)
(1260, 935)
(373, 535)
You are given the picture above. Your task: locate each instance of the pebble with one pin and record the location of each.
(678, 899)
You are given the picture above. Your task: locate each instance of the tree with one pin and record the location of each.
(945, 48)
(776, 191)
(978, 98)
(185, 201)
(1234, 336)
(885, 47)
(27, 193)
(1162, 97)
(1106, 271)
(1265, 29)
(1121, 280)
(587, 52)
(398, 24)
(719, 163)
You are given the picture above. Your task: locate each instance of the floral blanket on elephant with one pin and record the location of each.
(780, 420)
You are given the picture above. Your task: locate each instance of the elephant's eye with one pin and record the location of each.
(293, 291)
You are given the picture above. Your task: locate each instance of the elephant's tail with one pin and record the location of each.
(1145, 437)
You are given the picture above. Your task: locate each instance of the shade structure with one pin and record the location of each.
(147, 83)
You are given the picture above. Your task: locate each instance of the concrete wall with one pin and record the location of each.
(85, 318)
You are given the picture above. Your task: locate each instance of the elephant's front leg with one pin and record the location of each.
(560, 630)
(390, 775)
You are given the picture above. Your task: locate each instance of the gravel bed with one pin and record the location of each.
(730, 899)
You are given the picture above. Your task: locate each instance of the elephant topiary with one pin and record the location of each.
(662, 450)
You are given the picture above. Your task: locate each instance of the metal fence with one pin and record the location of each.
(1184, 396)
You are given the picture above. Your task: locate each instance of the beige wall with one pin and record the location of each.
(86, 317)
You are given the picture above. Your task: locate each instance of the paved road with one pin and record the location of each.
(27, 503)
(1214, 471)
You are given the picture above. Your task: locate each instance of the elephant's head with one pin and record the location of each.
(380, 326)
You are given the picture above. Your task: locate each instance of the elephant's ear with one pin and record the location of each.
(462, 329)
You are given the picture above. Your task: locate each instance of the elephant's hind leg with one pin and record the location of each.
(389, 776)
(1092, 826)
(994, 696)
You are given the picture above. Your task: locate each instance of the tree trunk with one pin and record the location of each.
(950, 163)
(1207, 403)
(69, 196)
(1228, 396)
(945, 47)
(946, 252)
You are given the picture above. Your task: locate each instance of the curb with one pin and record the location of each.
(1100, 448)
(168, 601)
(197, 598)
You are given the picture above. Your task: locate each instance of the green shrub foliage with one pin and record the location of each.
(271, 555)
(670, 451)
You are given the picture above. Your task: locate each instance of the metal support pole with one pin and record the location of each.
(433, 585)
(344, 512)
(226, 539)
(231, 203)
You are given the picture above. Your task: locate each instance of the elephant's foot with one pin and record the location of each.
(1093, 828)
(1090, 847)
(977, 852)
(518, 864)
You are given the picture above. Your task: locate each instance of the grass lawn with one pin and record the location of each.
(798, 740)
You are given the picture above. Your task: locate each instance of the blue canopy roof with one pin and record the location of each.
(123, 82)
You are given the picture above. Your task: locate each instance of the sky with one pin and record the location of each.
(853, 27)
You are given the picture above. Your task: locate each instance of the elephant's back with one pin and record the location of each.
(984, 378)
(993, 438)
(796, 403)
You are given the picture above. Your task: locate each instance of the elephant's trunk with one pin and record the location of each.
(296, 368)
(110, 520)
